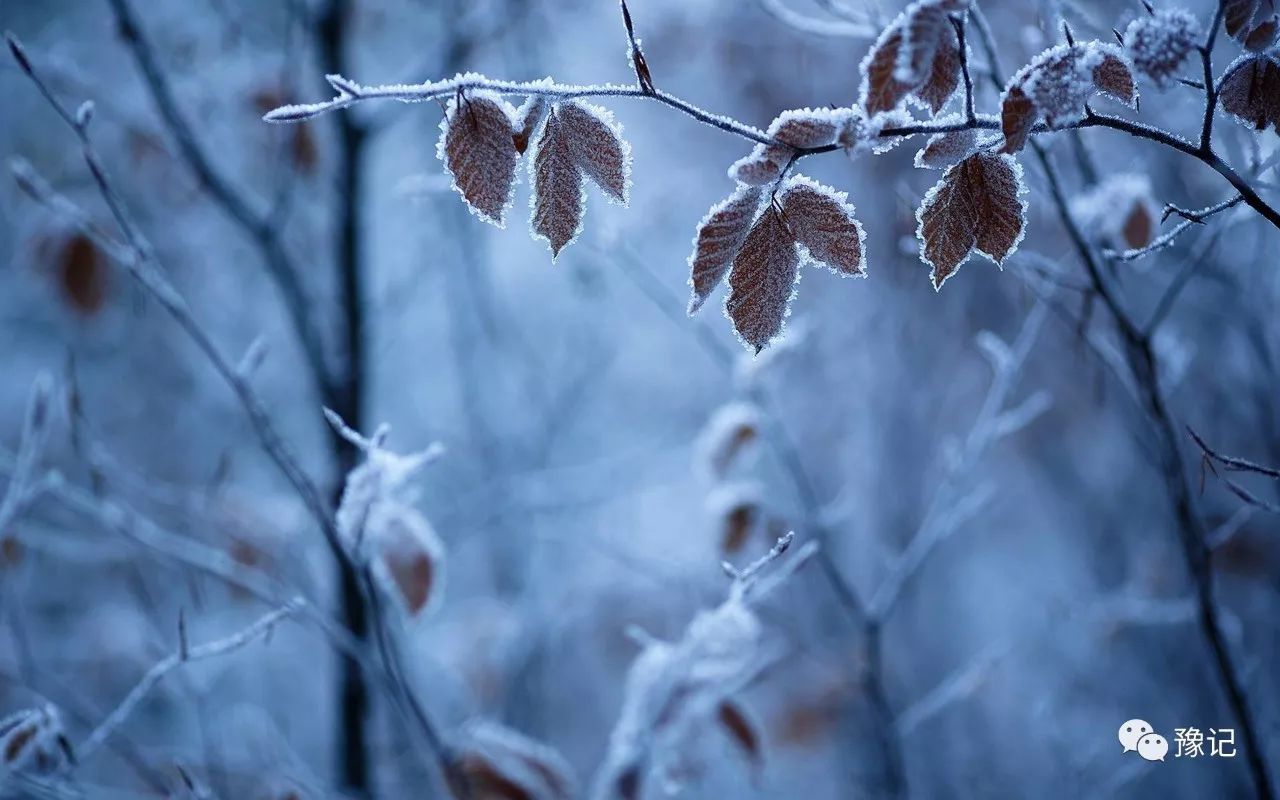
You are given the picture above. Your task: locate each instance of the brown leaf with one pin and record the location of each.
(736, 527)
(1251, 22)
(1017, 117)
(881, 91)
(762, 281)
(741, 730)
(82, 274)
(1112, 76)
(976, 206)
(486, 781)
(764, 164)
(478, 150)
(944, 149)
(1139, 227)
(805, 127)
(1159, 43)
(944, 73)
(411, 555)
(918, 53)
(558, 196)
(821, 220)
(528, 117)
(17, 739)
(720, 235)
(1252, 92)
(303, 150)
(597, 146)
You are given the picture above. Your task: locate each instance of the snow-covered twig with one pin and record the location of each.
(34, 429)
(951, 506)
(840, 28)
(260, 628)
(1167, 238)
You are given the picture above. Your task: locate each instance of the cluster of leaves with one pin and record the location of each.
(774, 221)
(483, 137)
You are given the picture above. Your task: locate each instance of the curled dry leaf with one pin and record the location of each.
(741, 730)
(762, 281)
(559, 201)
(917, 55)
(720, 235)
(1251, 92)
(976, 206)
(1159, 43)
(1057, 83)
(822, 222)
(1252, 23)
(477, 149)
(764, 164)
(528, 117)
(859, 134)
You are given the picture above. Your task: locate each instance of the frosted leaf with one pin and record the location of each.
(917, 54)
(764, 164)
(1057, 83)
(1251, 92)
(762, 281)
(806, 127)
(478, 152)
(598, 148)
(1252, 23)
(822, 221)
(737, 507)
(728, 436)
(859, 135)
(558, 199)
(1159, 43)
(33, 742)
(1120, 211)
(978, 206)
(527, 119)
(944, 149)
(500, 762)
(720, 235)
(408, 556)
(742, 730)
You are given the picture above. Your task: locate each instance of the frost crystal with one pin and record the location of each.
(1159, 43)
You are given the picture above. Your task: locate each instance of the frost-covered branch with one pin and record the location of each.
(1189, 218)
(951, 506)
(259, 225)
(22, 478)
(186, 654)
(1211, 459)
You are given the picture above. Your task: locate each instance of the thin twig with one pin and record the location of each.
(262, 627)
